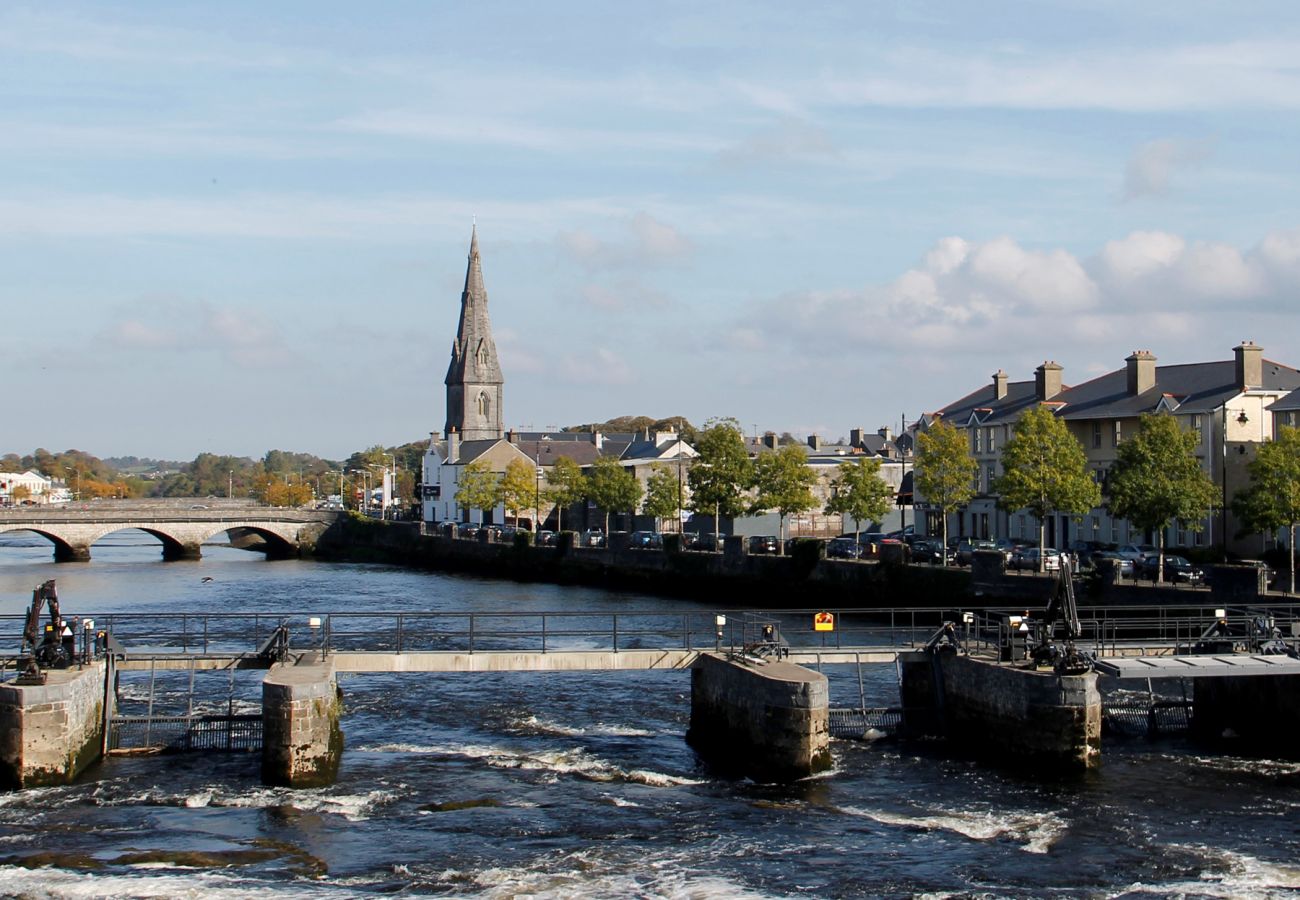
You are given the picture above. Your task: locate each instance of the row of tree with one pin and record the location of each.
(724, 482)
(1155, 481)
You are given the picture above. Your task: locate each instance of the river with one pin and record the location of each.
(559, 785)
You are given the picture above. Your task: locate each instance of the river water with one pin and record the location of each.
(560, 785)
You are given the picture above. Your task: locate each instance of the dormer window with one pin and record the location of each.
(481, 354)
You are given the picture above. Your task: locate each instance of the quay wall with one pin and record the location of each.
(50, 733)
(803, 579)
(765, 719)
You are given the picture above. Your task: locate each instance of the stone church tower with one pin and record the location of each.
(474, 380)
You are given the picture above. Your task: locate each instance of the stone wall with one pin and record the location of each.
(1003, 713)
(50, 733)
(302, 739)
(766, 720)
(1263, 711)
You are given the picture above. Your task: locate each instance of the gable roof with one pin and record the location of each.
(984, 407)
(1188, 388)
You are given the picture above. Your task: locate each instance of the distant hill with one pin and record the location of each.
(136, 465)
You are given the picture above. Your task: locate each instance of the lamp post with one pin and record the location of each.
(230, 484)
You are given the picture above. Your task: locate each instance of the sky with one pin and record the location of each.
(240, 226)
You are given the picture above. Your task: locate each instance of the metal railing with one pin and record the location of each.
(178, 734)
(1107, 629)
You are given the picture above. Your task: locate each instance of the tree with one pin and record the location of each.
(1273, 499)
(517, 489)
(662, 495)
(19, 493)
(1044, 470)
(612, 487)
(565, 486)
(860, 492)
(721, 473)
(945, 472)
(784, 483)
(477, 488)
(1157, 479)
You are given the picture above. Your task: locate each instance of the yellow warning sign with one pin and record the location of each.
(824, 621)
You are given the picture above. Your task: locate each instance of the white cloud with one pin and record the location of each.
(986, 295)
(1153, 165)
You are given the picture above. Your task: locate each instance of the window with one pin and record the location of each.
(484, 404)
(1116, 435)
(1096, 528)
(990, 472)
(1195, 423)
(993, 441)
(1096, 435)
(979, 439)
(482, 354)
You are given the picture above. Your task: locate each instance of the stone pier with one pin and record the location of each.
(1002, 713)
(49, 733)
(302, 740)
(1262, 711)
(768, 720)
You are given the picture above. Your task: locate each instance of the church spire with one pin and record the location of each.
(474, 380)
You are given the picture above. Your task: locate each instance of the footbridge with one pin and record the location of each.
(182, 528)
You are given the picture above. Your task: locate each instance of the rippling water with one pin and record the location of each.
(551, 785)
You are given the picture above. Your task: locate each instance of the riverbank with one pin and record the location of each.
(803, 579)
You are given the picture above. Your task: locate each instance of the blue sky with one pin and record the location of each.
(238, 226)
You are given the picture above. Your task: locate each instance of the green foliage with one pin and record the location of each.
(565, 486)
(477, 488)
(1156, 479)
(628, 424)
(517, 489)
(612, 487)
(722, 473)
(1044, 470)
(663, 495)
(1272, 500)
(860, 492)
(945, 471)
(784, 483)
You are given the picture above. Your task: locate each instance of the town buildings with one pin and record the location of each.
(1231, 405)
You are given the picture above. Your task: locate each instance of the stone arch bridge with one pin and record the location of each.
(285, 532)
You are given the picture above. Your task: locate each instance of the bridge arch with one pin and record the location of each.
(63, 550)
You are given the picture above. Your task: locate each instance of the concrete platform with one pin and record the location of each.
(1225, 666)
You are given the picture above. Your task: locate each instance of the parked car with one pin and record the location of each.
(763, 543)
(870, 540)
(545, 538)
(844, 547)
(646, 540)
(924, 551)
(1125, 566)
(593, 537)
(1084, 550)
(705, 542)
(467, 530)
(1027, 559)
(1177, 569)
(966, 550)
(1135, 552)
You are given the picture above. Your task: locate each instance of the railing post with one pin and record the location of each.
(399, 632)
(205, 634)
(471, 632)
(543, 632)
(615, 632)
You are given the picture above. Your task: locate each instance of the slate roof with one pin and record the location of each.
(1288, 403)
(988, 409)
(1188, 388)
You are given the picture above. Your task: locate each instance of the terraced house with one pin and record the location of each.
(1231, 405)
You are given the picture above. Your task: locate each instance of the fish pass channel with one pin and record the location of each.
(580, 784)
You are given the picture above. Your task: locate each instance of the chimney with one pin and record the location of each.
(453, 445)
(1047, 380)
(814, 442)
(1141, 372)
(769, 440)
(885, 433)
(1250, 365)
(512, 436)
(598, 439)
(999, 384)
(855, 438)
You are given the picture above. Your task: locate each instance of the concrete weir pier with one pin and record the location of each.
(762, 718)
(302, 740)
(49, 733)
(1001, 712)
